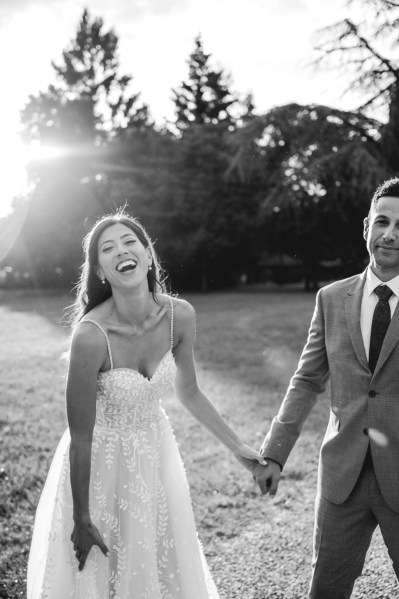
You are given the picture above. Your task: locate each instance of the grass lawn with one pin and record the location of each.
(248, 345)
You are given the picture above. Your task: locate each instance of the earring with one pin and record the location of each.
(150, 267)
(102, 279)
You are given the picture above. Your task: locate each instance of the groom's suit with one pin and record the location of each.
(364, 412)
(364, 406)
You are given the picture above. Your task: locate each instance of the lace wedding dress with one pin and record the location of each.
(139, 501)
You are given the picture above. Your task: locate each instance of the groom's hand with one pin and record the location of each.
(267, 477)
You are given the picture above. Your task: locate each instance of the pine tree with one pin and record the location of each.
(81, 114)
(205, 98)
(90, 99)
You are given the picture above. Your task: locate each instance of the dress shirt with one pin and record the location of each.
(369, 302)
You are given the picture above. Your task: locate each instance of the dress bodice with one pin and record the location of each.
(127, 400)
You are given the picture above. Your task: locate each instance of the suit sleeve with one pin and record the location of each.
(308, 382)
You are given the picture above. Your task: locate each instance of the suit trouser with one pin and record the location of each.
(343, 534)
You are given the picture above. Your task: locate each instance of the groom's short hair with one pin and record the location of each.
(390, 187)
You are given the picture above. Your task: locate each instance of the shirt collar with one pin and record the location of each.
(372, 281)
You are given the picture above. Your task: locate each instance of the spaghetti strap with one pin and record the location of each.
(106, 338)
(172, 308)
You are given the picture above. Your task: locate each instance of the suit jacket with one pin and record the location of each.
(364, 406)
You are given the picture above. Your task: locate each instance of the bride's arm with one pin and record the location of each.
(191, 396)
(88, 352)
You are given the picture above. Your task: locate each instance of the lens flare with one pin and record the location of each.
(378, 437)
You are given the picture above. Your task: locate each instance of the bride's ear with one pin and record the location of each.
(100, 274)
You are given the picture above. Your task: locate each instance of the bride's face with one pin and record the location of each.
(122, 258)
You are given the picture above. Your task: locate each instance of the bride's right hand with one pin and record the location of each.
(249, 457)
(83, 537)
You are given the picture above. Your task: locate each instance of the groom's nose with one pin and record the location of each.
(390, 232)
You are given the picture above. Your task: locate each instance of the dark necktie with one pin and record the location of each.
(380, 323)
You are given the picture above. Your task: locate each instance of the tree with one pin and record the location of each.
(206, 214)
(90, 99)
(314, 167)
(80, 115)
(212, 218)
(321, 166)
(363, 50)
(205, 98)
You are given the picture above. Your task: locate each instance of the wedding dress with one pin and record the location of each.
(139, 501)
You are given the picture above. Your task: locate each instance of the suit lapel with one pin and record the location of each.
(352, 310)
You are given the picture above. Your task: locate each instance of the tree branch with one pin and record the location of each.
(374, 98)
(353, 29)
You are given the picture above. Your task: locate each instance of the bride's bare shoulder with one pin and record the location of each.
(99, 314)
(183, 310)
(90, 330)
(88, 340)
(184, 318)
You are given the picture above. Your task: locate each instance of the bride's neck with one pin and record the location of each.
(134, 308)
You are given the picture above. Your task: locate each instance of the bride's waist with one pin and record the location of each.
(117, 418)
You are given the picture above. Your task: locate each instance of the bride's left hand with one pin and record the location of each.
(249, 458)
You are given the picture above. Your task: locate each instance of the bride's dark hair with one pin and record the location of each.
(90, 292)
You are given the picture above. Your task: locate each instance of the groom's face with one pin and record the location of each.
(381, 231)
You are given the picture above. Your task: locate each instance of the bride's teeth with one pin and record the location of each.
(125, 263)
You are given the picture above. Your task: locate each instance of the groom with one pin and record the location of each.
(354, 341)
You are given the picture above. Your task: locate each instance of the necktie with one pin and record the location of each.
(380, 323)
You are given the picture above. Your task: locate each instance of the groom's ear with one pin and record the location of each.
(366, 226)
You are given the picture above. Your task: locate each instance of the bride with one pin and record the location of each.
(115, 518)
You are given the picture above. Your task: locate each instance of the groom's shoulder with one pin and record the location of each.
(341, 285)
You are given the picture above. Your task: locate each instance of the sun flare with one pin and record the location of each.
(15, 156)
(14, 180)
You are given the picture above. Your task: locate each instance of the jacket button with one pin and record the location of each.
(372, 393)
(366, 431)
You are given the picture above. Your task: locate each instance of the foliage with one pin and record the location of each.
(212, 218)
(320, 167)
(205, 98)
(178, 187)
(78, 117)
(223, 191)
(90, 99)
(364, 50)
(113, 156)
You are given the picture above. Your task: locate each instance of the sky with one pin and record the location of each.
(266, 46)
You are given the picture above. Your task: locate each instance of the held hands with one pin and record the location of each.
(83, 537)
(249, 458)
(265, 472)
(267, 477)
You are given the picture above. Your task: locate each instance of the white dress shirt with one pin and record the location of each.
(369, 302)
